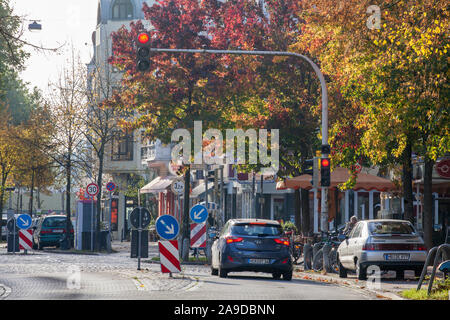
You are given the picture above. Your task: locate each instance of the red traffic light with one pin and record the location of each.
(143, 38)
(324, 162)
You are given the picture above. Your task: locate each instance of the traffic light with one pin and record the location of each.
(143, 52)
(325, 180)
(311, 166)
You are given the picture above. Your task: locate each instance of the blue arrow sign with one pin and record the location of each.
(198, 213)
(167, 227)
(24, 221)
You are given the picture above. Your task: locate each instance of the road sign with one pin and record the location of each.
(92, 189)
(169, 256)
(111, 186)
(24, 221)
(145, 218)
(443, 168)
(167, 227)
(198, 213)
(177, 187)
(198, 235)
(26, 239)
(11, 225)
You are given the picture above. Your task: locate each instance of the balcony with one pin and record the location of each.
(155, 153)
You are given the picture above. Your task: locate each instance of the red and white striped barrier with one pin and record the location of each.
(26, 239)
(169, 256)
(198, 235)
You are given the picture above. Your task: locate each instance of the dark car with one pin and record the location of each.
(49, 230)
(252, 245)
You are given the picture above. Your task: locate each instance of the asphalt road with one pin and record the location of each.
(49, 275)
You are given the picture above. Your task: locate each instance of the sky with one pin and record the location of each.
(64, 22)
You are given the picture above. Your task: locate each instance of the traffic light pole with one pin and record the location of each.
(324, 190)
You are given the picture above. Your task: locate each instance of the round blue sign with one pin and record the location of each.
(24, 221)
(167, 227)
(198, 213)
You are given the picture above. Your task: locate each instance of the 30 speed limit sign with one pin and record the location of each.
(178, 187)
(92, 189)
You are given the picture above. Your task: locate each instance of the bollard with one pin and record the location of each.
(307, 256)
(326, 257)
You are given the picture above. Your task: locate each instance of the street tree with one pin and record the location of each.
(392, 77)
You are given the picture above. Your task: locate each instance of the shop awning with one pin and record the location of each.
(338, 176)
(200, 189)
(159, 184)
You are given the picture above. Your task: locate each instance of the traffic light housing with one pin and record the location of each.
(311, 166)
(143, 52)
(325, 172)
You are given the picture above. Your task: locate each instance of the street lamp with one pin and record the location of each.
(35, 26)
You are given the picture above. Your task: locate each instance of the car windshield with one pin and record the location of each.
(390, 227)
(54, 222)
(249, 229)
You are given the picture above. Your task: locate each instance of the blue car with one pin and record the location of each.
(49, 230)
(252, 245)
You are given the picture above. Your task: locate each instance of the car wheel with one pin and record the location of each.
(417, 273)
(360, 271)
(222, 273)
(400, 274)
(276, 275)
(342, 270)
(287, 276)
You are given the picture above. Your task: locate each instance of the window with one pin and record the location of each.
(356, 233)
(390, 227)
(122, 147)
(122, 10)
(257, 229)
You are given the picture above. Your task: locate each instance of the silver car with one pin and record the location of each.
(387, 244)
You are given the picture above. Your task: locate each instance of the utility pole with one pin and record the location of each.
(143, 38)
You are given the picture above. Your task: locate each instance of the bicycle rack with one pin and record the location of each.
(439, 253)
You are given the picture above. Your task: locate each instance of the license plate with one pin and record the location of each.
(396, 256)
(259, 261)
(57, 231)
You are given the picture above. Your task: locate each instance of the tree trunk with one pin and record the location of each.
(305, 212)
(99, 197)
(297, 210)
(428, 203)
(68, 183)
(31, 192)
(407, 184)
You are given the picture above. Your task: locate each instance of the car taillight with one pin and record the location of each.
(369, 247)
(233, 239)
(394, 247)
(282, 241)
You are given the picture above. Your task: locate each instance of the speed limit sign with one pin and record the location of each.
(92, 189)
(178, 187)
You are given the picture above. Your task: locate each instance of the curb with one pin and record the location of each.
(332, 280)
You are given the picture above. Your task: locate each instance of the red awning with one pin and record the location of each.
(338, 176)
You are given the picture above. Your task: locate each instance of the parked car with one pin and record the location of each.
(388, 244)
(48, 231)
(252, 245)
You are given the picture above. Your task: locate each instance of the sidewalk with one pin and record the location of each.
(388, 288)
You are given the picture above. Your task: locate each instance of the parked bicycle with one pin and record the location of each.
(331, 238)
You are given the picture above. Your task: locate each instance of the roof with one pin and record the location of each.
(159, 184)
(254, 220)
